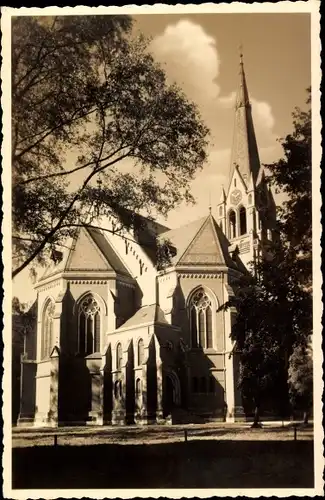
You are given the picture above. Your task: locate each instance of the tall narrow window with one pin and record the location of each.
(232, 224)
(242, 221)
(208, 319)
(138, 387)
(47, 330)
(195, 385)
(201, 328)
(119, 355)
(194, 326)
(201, 320)
(140, 352)
(89, 326)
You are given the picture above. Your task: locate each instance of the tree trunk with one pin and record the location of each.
(256, 423)
(305, 417)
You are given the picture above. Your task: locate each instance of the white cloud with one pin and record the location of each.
(191, 59)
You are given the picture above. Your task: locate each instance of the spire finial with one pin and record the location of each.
(241, 53)
(210, 207)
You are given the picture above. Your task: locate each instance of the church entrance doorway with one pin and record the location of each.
(172, 393)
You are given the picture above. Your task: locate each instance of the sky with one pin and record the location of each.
(200, 52)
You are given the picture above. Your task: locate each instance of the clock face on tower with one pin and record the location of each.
(235, 197)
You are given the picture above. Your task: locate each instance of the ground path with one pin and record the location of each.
(155, 434)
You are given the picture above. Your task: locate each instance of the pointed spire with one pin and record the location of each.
(244, 151)
(242, 93)
(223, 196)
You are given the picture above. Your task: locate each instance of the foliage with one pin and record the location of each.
(86, 97)
(274, 308)
(292, 175)
(300, 378)
(23, 319)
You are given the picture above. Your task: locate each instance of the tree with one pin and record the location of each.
(23, 324)
(86, 97)
(253, 344)
(300, 379)
(274, 308)
(292, 175)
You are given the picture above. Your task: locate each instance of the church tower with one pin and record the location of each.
(246, 210)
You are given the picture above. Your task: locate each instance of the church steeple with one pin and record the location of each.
(242, 93)
(244, 150)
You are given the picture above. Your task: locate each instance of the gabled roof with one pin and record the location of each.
(107, 250)
(182, 237)
(202, 242)
(89, 251)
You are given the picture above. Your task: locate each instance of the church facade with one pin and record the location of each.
(120, 341)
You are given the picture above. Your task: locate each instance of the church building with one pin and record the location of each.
(120, 341)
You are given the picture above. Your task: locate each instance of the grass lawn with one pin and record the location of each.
(213, 457)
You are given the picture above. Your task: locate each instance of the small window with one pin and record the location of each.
(220, 211)
(138, 387)
(235, 183)
(140, 352)
(232, 224)
(119, 356)
(250, 198)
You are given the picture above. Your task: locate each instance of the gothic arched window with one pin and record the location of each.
(89, 326)
(242, 221)
(232, 224)
(201, 320)
(47, 330)
(140, 352)
(119, 356)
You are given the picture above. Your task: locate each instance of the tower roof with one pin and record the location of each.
(244, 150)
